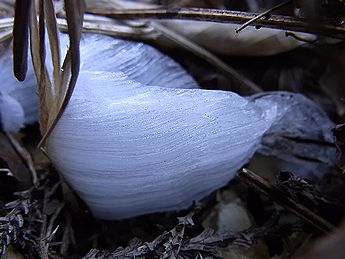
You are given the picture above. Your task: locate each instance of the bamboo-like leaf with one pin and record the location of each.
(41, 42)
(74, 15)
(34, 41)
(34, 44)
(20, 38)
(44, 85)
(52, 30)
(66, 76)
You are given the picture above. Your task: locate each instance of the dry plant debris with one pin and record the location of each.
(48, 221)
(31, 221)
(176, 243)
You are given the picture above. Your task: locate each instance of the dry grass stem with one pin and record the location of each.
(225, 16)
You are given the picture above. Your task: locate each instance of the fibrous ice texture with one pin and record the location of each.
(138, 135)
(131, 149)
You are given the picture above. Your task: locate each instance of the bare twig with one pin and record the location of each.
(226, 16)
(52, 221)
(264, 14)
(119, 30)
(248, 177)
(43, 245)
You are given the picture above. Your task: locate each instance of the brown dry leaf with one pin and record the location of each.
(24, 155)
(44, 84)
(54, 94)
(52, 30)
(112, 27)
(15, 163)
(48, 20)
(74, 15)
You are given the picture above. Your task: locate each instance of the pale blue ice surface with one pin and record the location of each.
(139, 136)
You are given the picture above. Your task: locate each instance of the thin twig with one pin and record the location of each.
(226, 16)
(248, 177)
(264, 14)
(43, 245)
(113, 29)
(52, 220)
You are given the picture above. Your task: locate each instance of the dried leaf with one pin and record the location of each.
(52, 30)
(24, 155)
(14, 162)
(74, 15)
(44, 86)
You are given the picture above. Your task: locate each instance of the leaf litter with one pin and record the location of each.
(49, 221)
